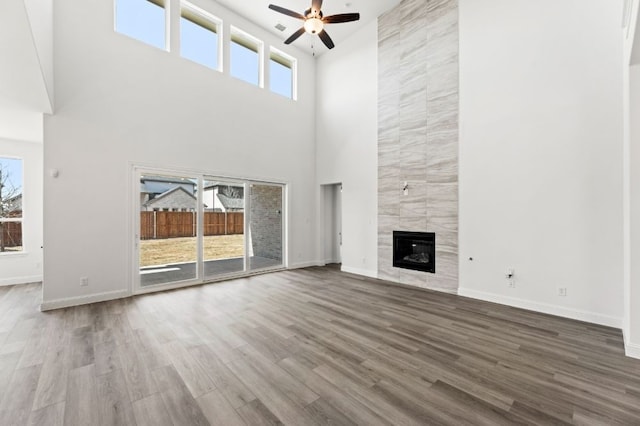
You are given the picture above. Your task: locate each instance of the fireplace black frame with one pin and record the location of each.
(403, 239)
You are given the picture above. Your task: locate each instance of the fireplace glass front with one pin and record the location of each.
(414, 250)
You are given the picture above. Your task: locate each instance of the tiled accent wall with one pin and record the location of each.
(418, 135)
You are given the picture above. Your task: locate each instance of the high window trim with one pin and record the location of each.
(207, 21)
(173, 17)
(249, 42)
(131, 31)
(286, 61)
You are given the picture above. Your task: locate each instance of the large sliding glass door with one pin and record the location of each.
(194, 228)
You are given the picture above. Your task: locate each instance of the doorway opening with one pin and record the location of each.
(332, 223)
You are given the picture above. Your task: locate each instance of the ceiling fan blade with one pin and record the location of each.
(286, 11)
(326, 39)
(316, 5)
(343, 17)
(294, 36)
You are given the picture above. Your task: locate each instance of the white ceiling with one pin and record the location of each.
(259, 13)
(22, 84)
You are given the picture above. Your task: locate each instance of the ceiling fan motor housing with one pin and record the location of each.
(310, 13)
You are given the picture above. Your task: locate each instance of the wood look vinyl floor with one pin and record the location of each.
(306, 347)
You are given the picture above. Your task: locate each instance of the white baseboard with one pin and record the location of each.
(21, 280)
(306, 264)
(632, 350)
(83, 300)
(119, 294)
(560, 311)
(358, 271)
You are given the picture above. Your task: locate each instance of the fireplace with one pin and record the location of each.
(414, 250)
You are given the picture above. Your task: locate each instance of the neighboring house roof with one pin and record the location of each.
(180, 181)
(158, 185)
(167, 194)
(231, 203)
(212, 185)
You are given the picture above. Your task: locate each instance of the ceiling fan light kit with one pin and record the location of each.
(314, 21)
(313, 25)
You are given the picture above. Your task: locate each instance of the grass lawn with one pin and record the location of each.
(177, 250)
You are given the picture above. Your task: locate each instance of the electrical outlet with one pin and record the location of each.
(511, 282)
(84, 281)
(562, 291)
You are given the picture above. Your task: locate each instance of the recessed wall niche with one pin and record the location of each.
(418, 135)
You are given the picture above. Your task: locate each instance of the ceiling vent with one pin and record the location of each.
(280, 27)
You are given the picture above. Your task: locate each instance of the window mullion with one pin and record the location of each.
(200, 227)
(173, 26)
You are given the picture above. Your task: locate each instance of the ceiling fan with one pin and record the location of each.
(314, 21)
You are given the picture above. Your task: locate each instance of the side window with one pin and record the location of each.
(246, 57)
(144, 20)
(282, 73)
(11, 205)
(200, 38)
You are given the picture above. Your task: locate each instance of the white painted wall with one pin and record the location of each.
(119, 102)
(632, 36)
(25, 267)
(23, 98)
(541, 155)
(631, 147)
(347, 139)
(21, 124)
(626, 206)
(632, 329)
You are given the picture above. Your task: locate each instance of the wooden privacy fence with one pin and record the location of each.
(160, 224)
(11, 234)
